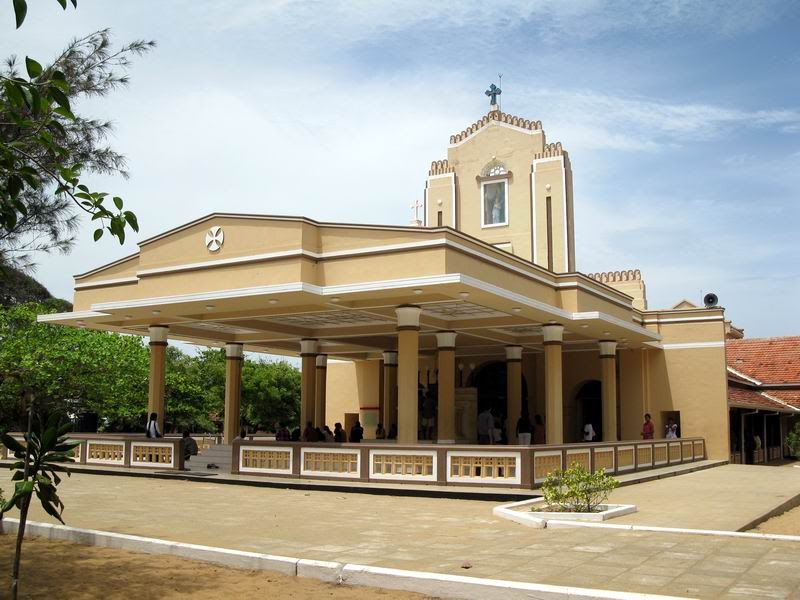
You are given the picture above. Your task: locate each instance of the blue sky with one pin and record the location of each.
(682, 120)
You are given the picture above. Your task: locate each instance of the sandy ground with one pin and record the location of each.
(64, 570)
(788, 523)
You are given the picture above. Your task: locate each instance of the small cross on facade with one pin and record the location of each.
(493, 92)
(415, 207)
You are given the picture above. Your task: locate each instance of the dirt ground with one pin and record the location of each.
(70, 571)
(788, 523)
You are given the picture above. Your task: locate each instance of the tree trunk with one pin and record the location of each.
(26, 502)
(23, 517)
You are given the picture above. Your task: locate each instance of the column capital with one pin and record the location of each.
(234, 350)
(158, 334)
(390, 358)
(407, 316)
(553, 333)
(309, 347)
(608, 348)
(513, 353)
(446, 340)
(322, 361)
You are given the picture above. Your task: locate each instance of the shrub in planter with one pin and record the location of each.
(577, 490)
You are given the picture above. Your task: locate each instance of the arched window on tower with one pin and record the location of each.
(494, 195)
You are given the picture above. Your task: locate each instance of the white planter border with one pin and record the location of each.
(170, 464)
(394, 476)
(306, 473)
(288, 449)
(539, 520)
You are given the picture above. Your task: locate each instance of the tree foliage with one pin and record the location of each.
(45, 148)
(81, 370)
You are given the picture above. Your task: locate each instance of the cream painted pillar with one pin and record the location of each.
(233, 392)
(321, 388)
(608, 379)
(513, 390)
(308, 380)
(407, 373)
(553, 381)
(158, 373)
(446, 361)
(389, 415)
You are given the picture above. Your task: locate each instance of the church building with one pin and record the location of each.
(477, 304)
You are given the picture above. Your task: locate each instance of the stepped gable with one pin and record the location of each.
(440, 167)
(615, 276)
(496, 115)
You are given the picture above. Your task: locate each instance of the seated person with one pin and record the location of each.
(189, 446)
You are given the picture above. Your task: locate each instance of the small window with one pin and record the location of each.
(494, 202)
(439, 218)
(493, 169)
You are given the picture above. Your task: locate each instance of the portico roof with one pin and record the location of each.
(275, 280)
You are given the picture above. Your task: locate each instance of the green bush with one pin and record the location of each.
(793, 440)
(576, 489)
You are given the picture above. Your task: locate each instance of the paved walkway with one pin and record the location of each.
(431, 535)
(727, 498)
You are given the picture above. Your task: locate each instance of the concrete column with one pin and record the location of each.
(158, 373)
(446, 361)
(233, 392)
(608, 382)
(308, 380)
(389, 415)
(553, 381)
(407, 373)
(321, 388)
(513, 390)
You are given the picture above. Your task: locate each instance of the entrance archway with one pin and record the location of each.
(491, 380)
(588, 409)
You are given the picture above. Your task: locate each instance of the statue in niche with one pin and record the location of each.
(494, 203)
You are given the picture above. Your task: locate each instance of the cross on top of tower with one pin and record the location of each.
(493, 92)
(415, 207)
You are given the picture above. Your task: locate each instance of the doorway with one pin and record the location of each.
(588, 409)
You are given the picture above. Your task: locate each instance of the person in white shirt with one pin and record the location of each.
(485, 426)
(588, 433)
(152, 427)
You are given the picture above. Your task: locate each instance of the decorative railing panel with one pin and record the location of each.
(483, 467)
(402, 464)
(330, 462)
(152, 454)
(269, 460)
(105, 452)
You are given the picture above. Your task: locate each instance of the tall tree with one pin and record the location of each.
(53, 142)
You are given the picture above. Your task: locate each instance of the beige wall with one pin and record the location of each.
(354, 387)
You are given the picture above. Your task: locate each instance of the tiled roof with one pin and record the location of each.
(748, 398)
(791, 397)
(769, 360)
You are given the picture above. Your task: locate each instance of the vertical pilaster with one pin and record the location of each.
(233, 391)
(446, 362)
(308, 380)
(608, 382)
(553, 382)
(321, 389)
(389, 415)
(513, 390)
(158, 373)
(407, 373)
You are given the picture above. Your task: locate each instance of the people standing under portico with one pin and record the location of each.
(648, 428)
(152, 430)
(485, 426)
(524, 429)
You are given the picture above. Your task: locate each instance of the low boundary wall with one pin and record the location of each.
(506, 466)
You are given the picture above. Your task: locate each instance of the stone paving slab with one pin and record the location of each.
(428, 535)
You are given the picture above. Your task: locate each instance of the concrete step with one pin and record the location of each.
(219, 455)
